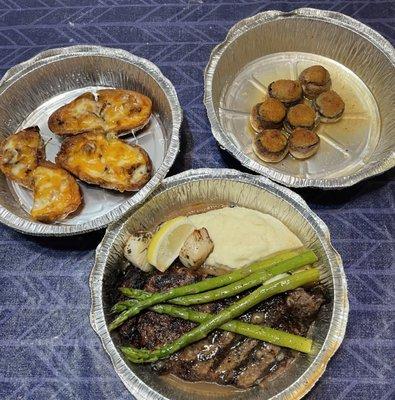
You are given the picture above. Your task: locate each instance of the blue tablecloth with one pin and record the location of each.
(47, 347)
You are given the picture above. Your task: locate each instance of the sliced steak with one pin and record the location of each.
(237, 355)
(175, 276)
(158, 329)
(262, 359)
(304, 305)
(225, 357)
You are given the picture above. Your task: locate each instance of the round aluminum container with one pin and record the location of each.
(31, 91)
(275, 45)
(199, 189)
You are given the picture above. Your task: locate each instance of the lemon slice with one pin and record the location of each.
(166, 243)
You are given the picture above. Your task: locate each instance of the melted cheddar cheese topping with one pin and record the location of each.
(114, 110)
(56, 193)
(123, 109)
(20, 154)
(103, 159)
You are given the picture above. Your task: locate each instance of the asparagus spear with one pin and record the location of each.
(229, 313)
(134, 293)
(234, 288)
(270, 335)
(207, 284)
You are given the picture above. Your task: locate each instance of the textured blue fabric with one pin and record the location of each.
(47, 347)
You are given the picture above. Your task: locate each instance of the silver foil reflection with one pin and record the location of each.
(332, 35)
(213, 187)
(34, 86)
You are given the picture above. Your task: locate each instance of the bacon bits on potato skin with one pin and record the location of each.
(56, 193)
(104, 160)
(20, 153)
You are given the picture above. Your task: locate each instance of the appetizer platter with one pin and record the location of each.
(92, 132)
(202, 290)
(299, 103)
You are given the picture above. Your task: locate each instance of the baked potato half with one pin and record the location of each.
(56, 193)
(113, 110)
(102, 159)
(123, 110)
(20, 153)
(80, 115)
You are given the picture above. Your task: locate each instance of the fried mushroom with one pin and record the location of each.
(271, 145)
(267, 115)
(289, 92)
(330, 106)
(315, 80)
(302, 116)
(303, 143)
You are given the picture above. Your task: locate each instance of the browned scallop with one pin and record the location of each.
(271, 145)
(267, 115)
(303, 143)
(315, 80)
(330, 106)
(302, 116)
(287, 91)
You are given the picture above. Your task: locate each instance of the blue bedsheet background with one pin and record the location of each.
(47, 347)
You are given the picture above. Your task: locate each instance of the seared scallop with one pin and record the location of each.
(302, 116)
(271, 145)
(196, 248)
(267, 115)
(287, 91)
(330, 106)
(315, 80)
(303, 143)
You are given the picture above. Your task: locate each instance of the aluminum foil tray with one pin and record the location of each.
(274, 45)
(208, 188)
(31, 91)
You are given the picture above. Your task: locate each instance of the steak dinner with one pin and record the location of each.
(222, 357)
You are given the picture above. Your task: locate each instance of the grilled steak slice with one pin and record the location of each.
(225, 357)
(156, 329)
(262, 360)
(175, 276)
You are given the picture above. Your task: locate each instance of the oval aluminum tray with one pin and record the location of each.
(273, 45)
(31, 91)
(210, 187)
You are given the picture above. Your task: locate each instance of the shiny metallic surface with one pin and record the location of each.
(199, 189)
(274, 44)
(31, 91)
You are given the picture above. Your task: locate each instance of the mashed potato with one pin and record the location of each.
(242, 236)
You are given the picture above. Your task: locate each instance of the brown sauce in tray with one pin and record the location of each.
(211, 389)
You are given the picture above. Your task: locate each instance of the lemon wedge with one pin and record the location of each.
(167, 242)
